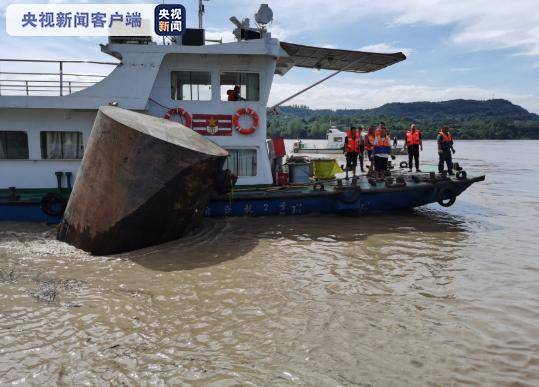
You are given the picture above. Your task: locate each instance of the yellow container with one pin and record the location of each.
(325, 169)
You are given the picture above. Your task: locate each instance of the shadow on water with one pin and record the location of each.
(221, 240)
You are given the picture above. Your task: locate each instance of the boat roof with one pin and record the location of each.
(142, 62)
(333, 59)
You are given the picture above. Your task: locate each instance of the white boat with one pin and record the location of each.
(334, 143)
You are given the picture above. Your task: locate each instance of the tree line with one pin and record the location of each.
(301, 122)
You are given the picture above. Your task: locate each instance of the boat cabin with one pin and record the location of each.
(335, 138)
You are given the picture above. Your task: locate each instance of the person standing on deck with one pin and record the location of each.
(361, 147)
(368, 142)
(395, 140)
(351, 150)
(382, 151)
(380, 129)
(445, 148)
(413, 143)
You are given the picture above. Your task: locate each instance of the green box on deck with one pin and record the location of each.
(325, 169)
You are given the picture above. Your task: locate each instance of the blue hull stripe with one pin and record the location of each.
(347, 202)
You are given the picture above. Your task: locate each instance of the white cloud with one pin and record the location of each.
(480, 24)
(369, 93)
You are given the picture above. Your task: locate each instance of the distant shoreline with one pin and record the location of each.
(495, 119)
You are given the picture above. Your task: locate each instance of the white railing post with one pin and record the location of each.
(45, 86)
(61, 78)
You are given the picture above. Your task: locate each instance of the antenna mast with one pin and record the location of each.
(200, 12)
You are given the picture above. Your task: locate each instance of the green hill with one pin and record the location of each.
(468, 119)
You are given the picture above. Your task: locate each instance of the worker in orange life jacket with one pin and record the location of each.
(382, 151)
(445, 147)
(413, 143)
(351, 150)
(380, 129)
(361, 147)
(368, 140)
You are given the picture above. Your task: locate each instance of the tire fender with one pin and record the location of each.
(446, 191)
(51, 200)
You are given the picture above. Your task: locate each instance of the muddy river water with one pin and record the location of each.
(432, 296)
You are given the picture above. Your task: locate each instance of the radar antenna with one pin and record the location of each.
(263, 16)
(243, 30)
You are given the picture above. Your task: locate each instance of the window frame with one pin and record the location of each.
(255, 158)
(174, 85)
(43, 144)
(27, 154)
(221, 96)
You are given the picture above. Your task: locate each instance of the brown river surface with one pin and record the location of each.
(431, 296)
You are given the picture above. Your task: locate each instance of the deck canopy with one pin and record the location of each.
(333, 59)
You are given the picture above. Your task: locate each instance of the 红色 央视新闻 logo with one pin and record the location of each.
(169, 19)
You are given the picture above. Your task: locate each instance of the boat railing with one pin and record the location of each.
(54, 81)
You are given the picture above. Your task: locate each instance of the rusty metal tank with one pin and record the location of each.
(143, 181)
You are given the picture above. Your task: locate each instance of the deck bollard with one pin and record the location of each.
(68, 177)
(13, 194)
(59, 180)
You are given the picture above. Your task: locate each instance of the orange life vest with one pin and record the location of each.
(383, 146)
(352, 143)
(369, 142)
(413, 138)
(446, 137)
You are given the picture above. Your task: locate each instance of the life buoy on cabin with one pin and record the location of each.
(246, 112)
(180, 112)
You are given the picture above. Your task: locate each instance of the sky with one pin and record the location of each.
(471, 49)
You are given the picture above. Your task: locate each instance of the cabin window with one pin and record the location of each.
(241, 162)
(61, 145)
(337, 139)
(13, 145)
(191, 85)
(240, 86)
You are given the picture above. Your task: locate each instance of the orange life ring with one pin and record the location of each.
(182, 113)
(246, 112)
